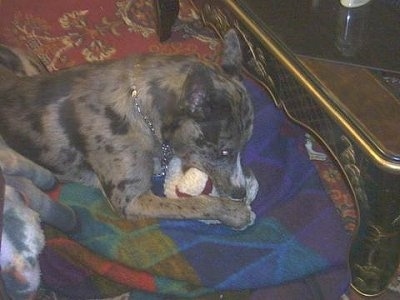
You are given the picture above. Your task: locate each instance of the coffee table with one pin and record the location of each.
(315, 59)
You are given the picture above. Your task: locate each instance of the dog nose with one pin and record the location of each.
(238, 193)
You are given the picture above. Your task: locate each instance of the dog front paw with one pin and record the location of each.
(237, 214)
(249, 221)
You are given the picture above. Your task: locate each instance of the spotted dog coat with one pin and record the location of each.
(82, 125)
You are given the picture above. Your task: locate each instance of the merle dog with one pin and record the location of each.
(107, 124)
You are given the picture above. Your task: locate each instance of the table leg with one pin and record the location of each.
(375, 252)
(166, 14)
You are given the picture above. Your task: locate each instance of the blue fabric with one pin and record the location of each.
(292, 210)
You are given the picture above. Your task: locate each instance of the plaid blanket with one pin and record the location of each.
(297, 232)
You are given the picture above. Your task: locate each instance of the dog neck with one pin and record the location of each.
(166, 150)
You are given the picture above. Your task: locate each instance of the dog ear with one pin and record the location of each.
(232, 56)
(197, 92)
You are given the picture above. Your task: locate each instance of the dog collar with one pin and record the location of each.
(166, 149)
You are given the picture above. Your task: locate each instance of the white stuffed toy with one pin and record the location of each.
(195, 182)
(191, 183)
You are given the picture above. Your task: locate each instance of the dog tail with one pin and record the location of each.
(19, 63)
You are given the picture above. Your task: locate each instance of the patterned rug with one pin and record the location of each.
(305, 214)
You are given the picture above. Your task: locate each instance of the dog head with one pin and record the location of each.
(215, 121)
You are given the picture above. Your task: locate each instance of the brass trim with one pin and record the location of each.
(310, 86)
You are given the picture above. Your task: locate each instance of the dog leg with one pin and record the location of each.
(27, 178)
(128, 191)
(125, 175)
(12, 163)
(51, 212)
(235, 214)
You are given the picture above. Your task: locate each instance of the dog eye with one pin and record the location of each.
(225, 153)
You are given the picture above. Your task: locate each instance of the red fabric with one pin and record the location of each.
(54, 194)
(67, 33)
(111, 270)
